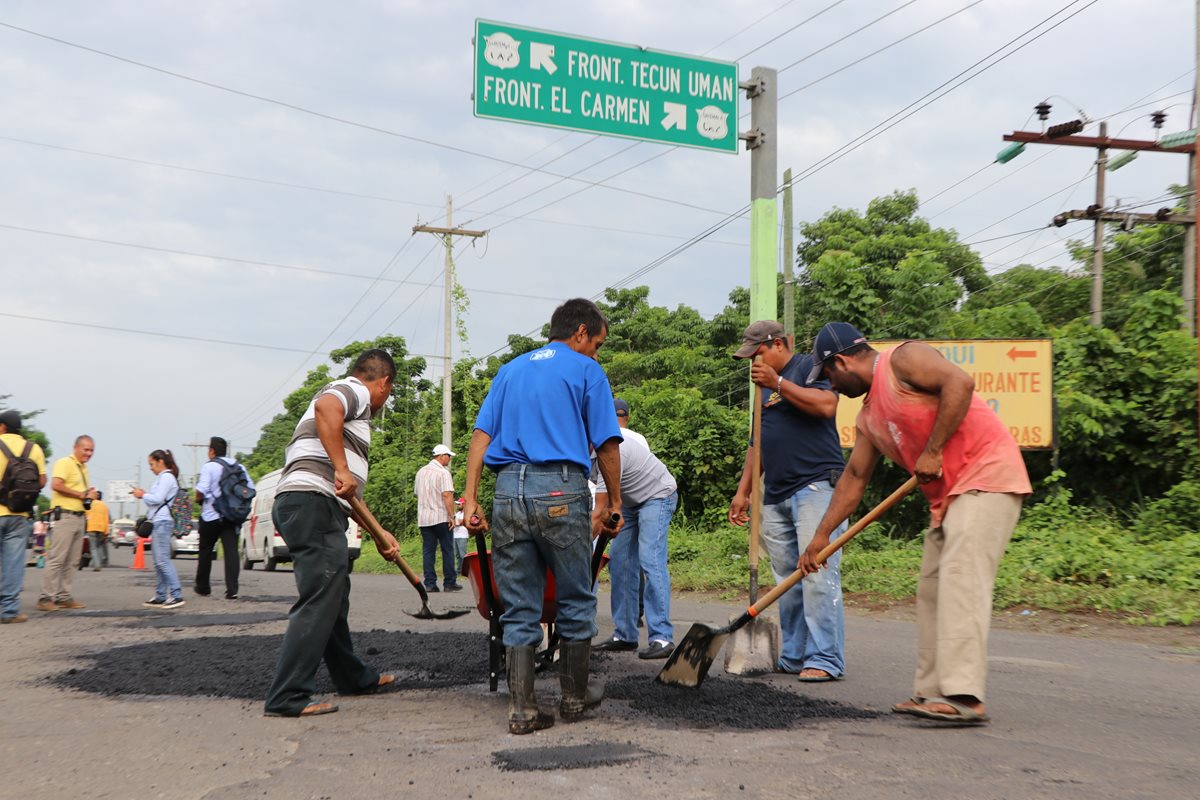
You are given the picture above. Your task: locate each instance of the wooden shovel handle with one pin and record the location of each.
(831, 548)
(756, 484)
(376, 533)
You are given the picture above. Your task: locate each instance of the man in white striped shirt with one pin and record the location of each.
(435, 517)
(325, 464)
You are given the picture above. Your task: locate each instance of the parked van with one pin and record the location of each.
(260, 542)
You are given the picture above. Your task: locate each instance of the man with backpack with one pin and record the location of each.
(225, 490)
(22, 476)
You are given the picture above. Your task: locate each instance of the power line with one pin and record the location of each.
(334, 118)
(874, 53)
(740, 31)
(841, 39)
(799, 24)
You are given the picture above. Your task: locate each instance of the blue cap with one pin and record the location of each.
(621, 407)
(834, 338)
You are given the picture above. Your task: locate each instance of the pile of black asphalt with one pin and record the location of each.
(576, 756)
(241, 666)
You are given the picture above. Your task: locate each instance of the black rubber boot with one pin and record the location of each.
(523, 714)
(574, 659)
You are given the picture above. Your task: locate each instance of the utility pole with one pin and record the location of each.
(1066, 134)
(1097, 309)
(196, 458)
(789, 256)
(447, 233)
(762, 142)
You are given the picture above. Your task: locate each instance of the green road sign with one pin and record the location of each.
(544, 78)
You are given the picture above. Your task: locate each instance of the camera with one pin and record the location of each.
(87, 504)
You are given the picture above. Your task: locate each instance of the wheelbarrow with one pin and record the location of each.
(477, 569)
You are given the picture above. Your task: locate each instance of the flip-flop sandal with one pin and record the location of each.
(907, 706)
(382, 685)
(827, 677)
(310, 710)
(964, 715)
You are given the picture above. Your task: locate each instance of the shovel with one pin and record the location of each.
(376, 533)
(754, 648)
(691, 660)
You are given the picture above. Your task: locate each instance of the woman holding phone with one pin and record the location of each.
(167, 592)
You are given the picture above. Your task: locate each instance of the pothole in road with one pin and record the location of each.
(744, 704)
(579, 756)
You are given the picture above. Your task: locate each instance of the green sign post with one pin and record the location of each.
(552, 79)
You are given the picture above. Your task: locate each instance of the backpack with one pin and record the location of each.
(21, 483)
(181, 512)
(233, 504)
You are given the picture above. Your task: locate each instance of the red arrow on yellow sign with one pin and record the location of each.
(1014, 353)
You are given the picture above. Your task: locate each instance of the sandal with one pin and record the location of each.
(310, 710)
(907, 706)
(824, 677)
(962, 714)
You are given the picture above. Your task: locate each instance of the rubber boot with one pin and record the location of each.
(523, 714)
(574, 660)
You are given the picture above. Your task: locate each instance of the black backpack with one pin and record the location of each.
(21, 484)
(233, 504)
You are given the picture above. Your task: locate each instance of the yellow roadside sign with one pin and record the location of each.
(1014, 376)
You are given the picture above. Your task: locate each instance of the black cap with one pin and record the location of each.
(834, 338)
(11, 418)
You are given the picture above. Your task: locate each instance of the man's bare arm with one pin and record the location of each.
(925, 369)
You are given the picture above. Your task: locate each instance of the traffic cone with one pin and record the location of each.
(139, 555)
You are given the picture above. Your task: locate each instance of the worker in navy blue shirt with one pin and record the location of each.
(544, 411)
(801, 461)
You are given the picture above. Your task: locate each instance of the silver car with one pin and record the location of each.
(189, 543)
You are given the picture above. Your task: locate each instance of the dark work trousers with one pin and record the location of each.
(227, 533)
(433, 538)
(314, 527)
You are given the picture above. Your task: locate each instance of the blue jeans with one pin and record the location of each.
(642, 547)
(14, 533)
(164, 570)
(434, 538)
(541, 518)
(810, 614)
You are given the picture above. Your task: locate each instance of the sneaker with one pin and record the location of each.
(175, 602)
(432, 589)
(154, 602)
(46, 605)
(231, 597)
(657, 649)
(614, 645)
(12, 620)
(70, 602)
(453, 587)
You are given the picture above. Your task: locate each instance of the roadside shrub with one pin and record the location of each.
(1174, 514)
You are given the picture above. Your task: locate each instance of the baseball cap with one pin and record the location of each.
(621, 407)
(834, 338)
(757, 333)
(12, 419)
(459, 501)
(442, 450)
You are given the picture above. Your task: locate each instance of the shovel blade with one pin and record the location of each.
(695, 653)
(754, 648)
(427, 613)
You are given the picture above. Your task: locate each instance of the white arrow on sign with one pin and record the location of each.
(676, 116)
(540, 56)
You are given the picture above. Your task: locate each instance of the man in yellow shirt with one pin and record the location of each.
(98, 520)
(70, 492)
(15, 525)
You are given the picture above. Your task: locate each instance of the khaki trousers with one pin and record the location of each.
(954, 594)
(66, 550)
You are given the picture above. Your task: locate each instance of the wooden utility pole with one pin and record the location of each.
(1064, 135)
(447, 233)
(1097, 309)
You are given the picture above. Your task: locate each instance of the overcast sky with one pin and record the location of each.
(341, 196)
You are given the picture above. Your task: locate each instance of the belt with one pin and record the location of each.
(73, 513)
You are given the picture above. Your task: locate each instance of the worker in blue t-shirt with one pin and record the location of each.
(543, 412)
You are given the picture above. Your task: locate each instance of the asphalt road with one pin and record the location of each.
(1072, 717)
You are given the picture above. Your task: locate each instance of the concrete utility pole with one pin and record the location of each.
(762, 142)
(447, 233)
(789, 258)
